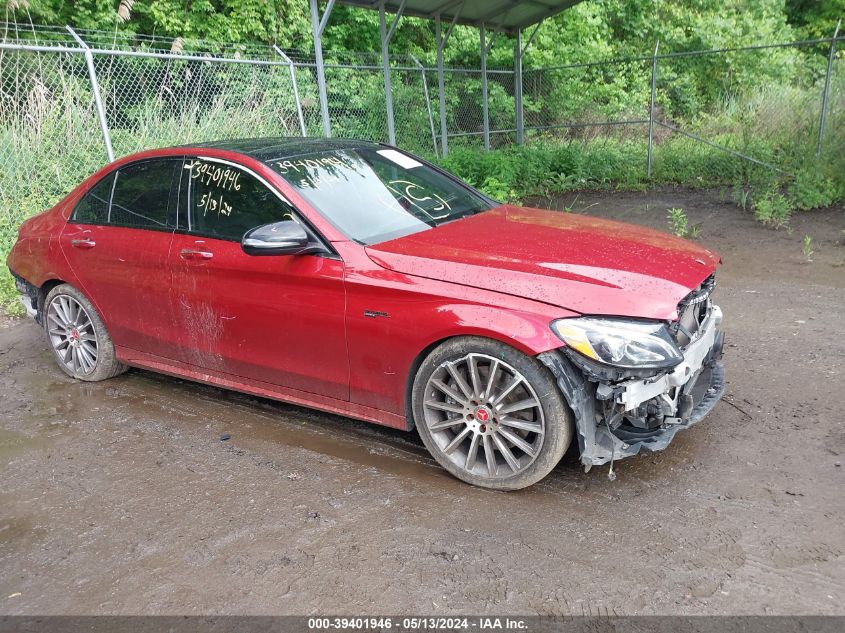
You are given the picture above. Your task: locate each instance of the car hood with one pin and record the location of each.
(577, 262)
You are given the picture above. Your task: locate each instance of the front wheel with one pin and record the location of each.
(81, 345)
(490, 415)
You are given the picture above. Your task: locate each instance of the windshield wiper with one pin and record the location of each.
(460, 216)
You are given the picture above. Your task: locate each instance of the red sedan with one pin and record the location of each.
(351, 277)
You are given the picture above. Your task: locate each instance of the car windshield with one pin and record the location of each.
(374, 195)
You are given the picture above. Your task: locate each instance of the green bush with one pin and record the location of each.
(498, 190)
(774, 124)
(547, 166)
(812, 189)
(773, 209)
(679, 223)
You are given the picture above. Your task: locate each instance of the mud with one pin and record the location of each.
(120, 497)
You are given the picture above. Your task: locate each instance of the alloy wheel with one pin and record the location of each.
(72, 334)
(484, 416)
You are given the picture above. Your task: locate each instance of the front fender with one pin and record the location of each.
(528, 332)
(386, 345)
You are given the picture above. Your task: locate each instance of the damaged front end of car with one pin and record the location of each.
(633, 384)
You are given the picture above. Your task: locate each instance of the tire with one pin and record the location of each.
(79, 340)
(504, 434)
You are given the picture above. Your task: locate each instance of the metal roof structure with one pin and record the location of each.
(500, 16)
(504, 15)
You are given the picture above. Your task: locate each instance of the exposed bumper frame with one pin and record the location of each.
(29, 295)
(598, 443)
(696, 354)
(26, 302)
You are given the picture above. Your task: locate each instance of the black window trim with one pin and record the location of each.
(298, 216)
(113, 175)
(72, 217)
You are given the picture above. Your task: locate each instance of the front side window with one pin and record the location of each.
(94, 206)
(373, 195)
(142, 195)
(225, 202)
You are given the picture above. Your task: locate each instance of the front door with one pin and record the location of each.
(275, 319)
(118, 240)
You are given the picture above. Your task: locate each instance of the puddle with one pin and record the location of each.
(381, 452)
(13, 444)
(254, 422)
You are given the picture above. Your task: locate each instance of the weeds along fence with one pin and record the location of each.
(69, 101)
(745, 102)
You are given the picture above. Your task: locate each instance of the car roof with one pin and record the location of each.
(284, 147)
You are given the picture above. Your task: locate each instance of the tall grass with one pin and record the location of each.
(776, 125)
(50, 138)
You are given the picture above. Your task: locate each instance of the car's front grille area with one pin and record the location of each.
(692, 312)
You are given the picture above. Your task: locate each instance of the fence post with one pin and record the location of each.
(427, 104)
(485, 108)
(318, 25)
(441, 85)
(292, 70)
(95, 88)
(386, 35)
(651, 108)
(441, 39)
(826, 93)
(517, 91)
(518, 54)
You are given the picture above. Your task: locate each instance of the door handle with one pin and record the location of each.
(83, 243)
(188, 253)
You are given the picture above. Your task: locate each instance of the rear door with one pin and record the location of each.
(117, 242)
(277, 319)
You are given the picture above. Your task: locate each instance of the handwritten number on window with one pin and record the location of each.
(211, 174)
(222, 178)
(214, 204)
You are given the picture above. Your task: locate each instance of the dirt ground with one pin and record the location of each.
(120, 497)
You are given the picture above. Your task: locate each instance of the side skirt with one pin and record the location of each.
(258, 388)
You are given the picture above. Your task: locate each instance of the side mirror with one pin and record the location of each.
(279, 238)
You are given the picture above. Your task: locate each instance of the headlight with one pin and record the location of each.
(620, 343)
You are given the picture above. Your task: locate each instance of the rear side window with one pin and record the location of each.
(94, 207)
(225, 202)
(143, 194)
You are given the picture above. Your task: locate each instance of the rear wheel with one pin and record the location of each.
(81, 345)
(490, 415)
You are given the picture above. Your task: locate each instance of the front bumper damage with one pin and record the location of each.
(617, 415)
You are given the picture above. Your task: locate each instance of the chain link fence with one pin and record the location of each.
(834, 125)
(49, 132)
(156, 101)
(464, 106)
(768, 98)
(748, 103)
(585, 101)
(66, 98)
